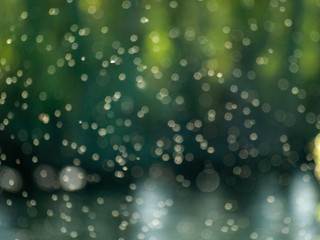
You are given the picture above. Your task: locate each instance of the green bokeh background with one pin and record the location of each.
(116, 77)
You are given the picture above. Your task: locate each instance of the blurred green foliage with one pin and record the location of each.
(118, 86)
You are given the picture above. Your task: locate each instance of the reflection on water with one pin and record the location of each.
(303, 205)
(157, 210)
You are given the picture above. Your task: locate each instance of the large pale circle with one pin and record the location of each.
(10, 179)
(208, 180)
(72, 178)
(46, 177)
